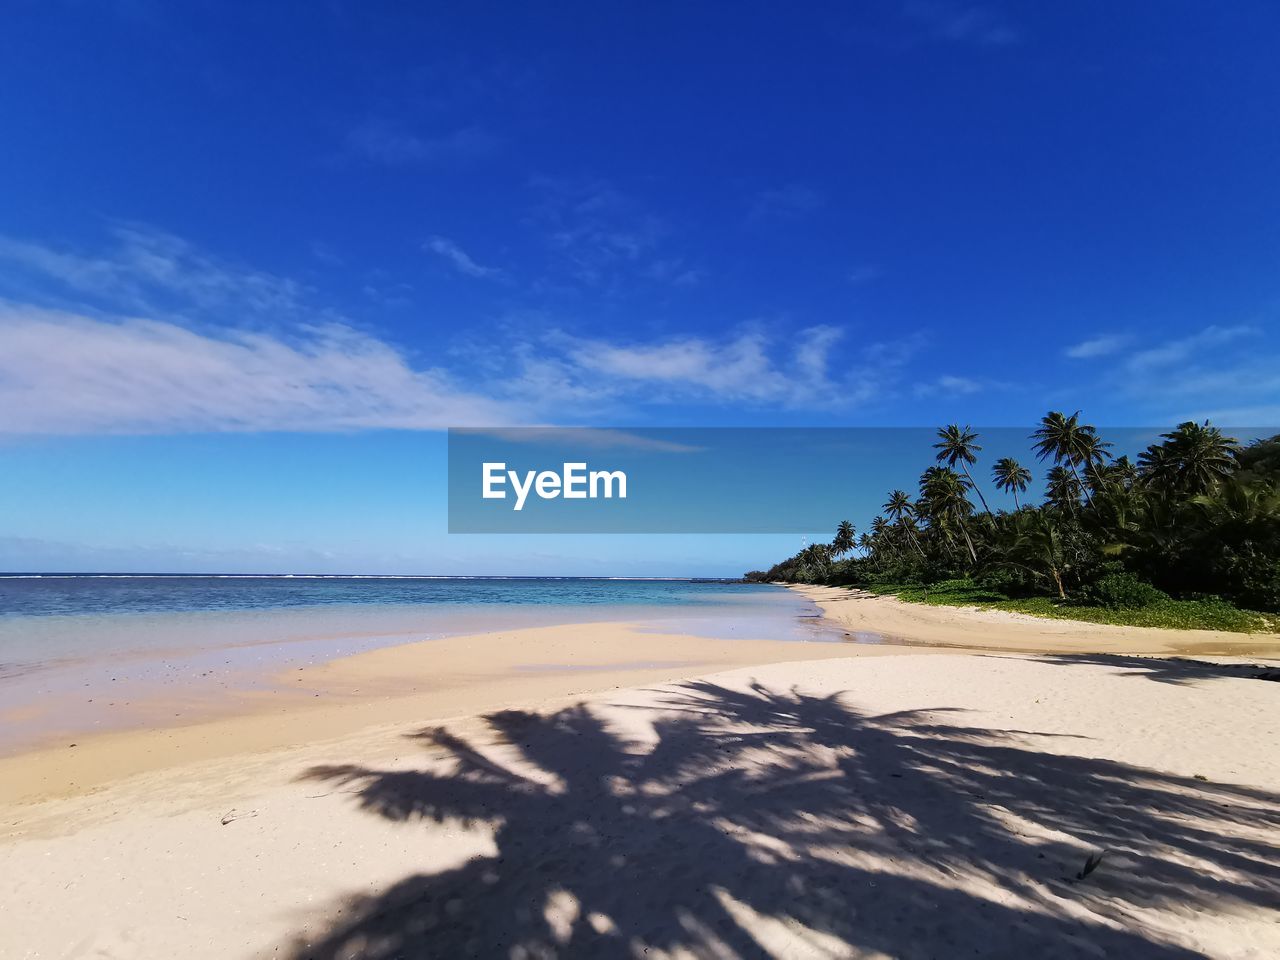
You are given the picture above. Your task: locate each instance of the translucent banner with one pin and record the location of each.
(723, 479)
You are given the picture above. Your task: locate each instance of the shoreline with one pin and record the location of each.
(449, 677)
(425, 680)
(958, 629)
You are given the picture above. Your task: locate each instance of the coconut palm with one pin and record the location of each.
(902, 510)
(958, 446)
(1037, 548)
(815, 561)
(1240, 503)
(1197, 514)
(1064, 488)
(1192, 459)
(845, 539)
(1069, 441)
(898, 505)
(1011, 477)
(945, 494)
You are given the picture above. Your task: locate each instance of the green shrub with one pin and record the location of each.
(1123, 591)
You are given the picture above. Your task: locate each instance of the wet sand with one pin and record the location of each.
(428, 680)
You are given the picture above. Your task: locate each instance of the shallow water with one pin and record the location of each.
(77, 647)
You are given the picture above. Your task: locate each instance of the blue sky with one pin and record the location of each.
(254, 256)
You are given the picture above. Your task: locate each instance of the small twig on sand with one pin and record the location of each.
(1090, 864)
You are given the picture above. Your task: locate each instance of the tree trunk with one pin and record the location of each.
(1057, 582)
(1083, 486)
(976, 489)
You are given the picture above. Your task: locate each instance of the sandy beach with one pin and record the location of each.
(592, 790)
(970, 628)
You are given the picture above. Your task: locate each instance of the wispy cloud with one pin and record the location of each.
(235, 349)
(61, 373)
(148, 269)
(389, 142)
(1224, 373)
(459, 259)
(745, 368)
(963, 23)
(1102, 346)
(1180, 349)
(601, 238)
(949, 385)
(786, 202)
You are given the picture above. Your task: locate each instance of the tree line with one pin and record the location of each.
(1197, 515)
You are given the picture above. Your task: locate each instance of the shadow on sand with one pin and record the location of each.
(758, 822)
(1175, 670)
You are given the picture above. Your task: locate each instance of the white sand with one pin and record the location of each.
(940, 807)
(971, 628)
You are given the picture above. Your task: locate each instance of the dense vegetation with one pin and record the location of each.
(1189, 535)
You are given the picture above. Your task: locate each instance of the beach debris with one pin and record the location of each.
(1090, 864)
(233, 814)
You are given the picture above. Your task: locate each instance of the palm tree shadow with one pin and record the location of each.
(1178, 671)
(754, 822)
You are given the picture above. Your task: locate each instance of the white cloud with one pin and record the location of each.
(749, 367)
(1096, 347)
(61, 373)
(459, 259)
(1176, 351)
(65, 373)
(144, 268)
(1223, 373)
(950, 386)
(179, 341)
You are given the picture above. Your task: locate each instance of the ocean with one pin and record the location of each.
(68, 638)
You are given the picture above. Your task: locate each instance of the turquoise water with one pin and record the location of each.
(96, 594)
(89, 646)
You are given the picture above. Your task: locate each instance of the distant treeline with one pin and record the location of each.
(1197, 516)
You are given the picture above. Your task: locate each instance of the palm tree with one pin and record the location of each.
(845, 539)
(1037, 548)
(880, 537)
(959, 446)
(867, 544)
(1192, 460)
(1069, 441)
(945, 494)
(901, 509)
(1064, 488)
(1240, 503)
(815, 561)
(898, 505)
(1011, 477)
